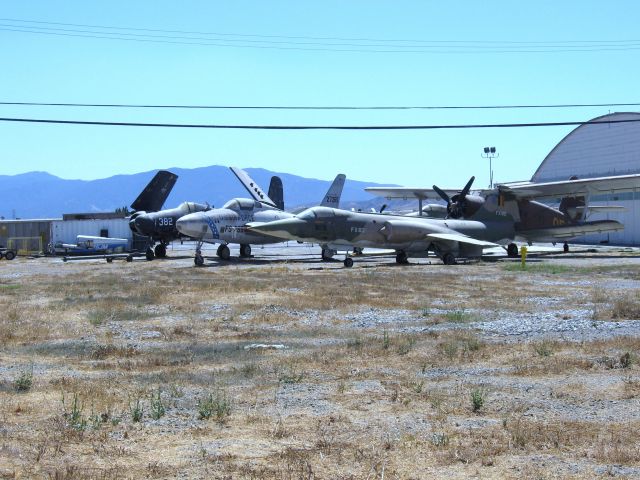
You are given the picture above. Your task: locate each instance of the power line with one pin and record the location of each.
(315, 127)
(349, 39)
(322, 43)
(307, 107)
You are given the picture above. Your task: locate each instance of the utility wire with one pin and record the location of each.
(348, 39)
(315, 127)
(327, 44)
(302, 107)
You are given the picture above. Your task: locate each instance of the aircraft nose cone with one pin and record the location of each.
(287, 228)
(190, 226)
(144, 225)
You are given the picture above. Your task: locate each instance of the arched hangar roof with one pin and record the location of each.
(595, 150)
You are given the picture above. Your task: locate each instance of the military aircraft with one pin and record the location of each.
(473, 223)
(160, 225)
(155, 224)
(227, 224)
(532, 220)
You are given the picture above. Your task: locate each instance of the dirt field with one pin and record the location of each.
(308, 370)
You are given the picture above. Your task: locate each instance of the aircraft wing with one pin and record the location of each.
(407, 193)
(570, 230)
(252, 187)
(456, 237)
(570, 188)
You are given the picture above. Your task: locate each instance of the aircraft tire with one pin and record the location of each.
(565, 247)
(327, 254)
(401, 258)
(129, 258)
(10, 255)
(245, 250)
(512, 250)
(449, 259)
(149, 254)
(109, 260)
(223, 252)
(161, 250)
(198, 260)
(348, 262)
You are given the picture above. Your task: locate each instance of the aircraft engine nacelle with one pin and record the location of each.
(401, 231)
(132, 223)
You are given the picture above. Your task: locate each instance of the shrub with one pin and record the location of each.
(218, 405)
(24, 381)
(137, 411)
(478, 398)
(157, 407)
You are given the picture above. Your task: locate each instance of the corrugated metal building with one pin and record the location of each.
(600, 150)
(37, 236)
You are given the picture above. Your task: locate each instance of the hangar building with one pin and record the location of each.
(600, 150)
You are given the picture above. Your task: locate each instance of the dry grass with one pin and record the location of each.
(342, 400)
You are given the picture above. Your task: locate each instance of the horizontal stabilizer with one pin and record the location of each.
(453, 237)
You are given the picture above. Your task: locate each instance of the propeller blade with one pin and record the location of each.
(442, 194)
(467, 187)
(383, 208)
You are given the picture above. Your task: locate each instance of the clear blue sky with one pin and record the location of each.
(56, 68)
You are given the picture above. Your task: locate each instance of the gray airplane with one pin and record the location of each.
(160, 226)
(228, 224)
(486, 224)
(520, 202)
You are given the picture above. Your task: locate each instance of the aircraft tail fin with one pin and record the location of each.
(276, 192)
(332, 197)
(156, 192)
(252, 187)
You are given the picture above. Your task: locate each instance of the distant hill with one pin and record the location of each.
(42, 195)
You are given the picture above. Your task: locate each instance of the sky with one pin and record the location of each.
(278, 53)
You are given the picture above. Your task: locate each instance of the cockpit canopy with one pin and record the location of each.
(242, 204)
(191, 207)
(317, 212)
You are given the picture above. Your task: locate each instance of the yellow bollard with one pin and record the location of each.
(523, 256)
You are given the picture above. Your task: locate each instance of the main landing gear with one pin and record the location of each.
(327, 254)
(449, 258)
(565, 247)
(402, 258)
(245, 250)
(159, 251)
(348, 262)
(223, 252)
(512, 250)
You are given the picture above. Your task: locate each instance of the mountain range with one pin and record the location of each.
(42, 195)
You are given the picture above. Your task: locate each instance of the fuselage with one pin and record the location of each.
(228, 224)
(161, 225)
(369, 230)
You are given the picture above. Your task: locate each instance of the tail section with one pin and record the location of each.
(276, 192)
(332, 198)
(252, 187)
(155, 193)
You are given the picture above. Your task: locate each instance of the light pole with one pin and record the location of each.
(490, 153)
